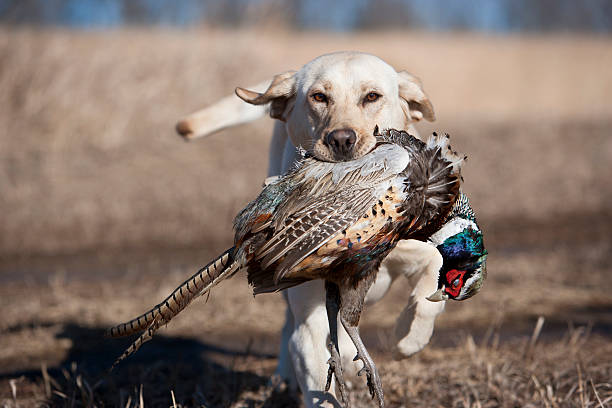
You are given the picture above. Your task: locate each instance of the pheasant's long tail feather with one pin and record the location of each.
(199, 284)
(142, 339)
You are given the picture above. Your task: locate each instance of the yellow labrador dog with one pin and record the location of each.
(330, 108)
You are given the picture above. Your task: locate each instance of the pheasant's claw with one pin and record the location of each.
(365, 370)
(330, 373)
(371, 387)
(372, 377)
(335, 368)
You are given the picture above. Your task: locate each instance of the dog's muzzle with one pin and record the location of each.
(341, 143)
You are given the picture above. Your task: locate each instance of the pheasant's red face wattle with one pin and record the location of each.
(455, 282)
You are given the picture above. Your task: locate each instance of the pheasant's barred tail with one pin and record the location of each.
(142, 339)
(199, 284)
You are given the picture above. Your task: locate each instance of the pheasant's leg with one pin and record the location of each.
(332, 304)
(374, 383)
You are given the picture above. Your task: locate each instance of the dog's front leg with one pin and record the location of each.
(284, 370)
(308, 343)
(420, 262)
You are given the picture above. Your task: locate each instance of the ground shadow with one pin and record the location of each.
(198, 373)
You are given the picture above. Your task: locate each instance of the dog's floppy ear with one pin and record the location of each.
(279, 94)
(417, 103)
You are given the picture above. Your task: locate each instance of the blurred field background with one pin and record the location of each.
(105, 209)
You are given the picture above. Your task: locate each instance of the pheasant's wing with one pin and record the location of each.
(327, 198)
(321, 205)
(307, 229)
(305, 187)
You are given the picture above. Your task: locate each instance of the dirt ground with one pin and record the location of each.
(105, 211)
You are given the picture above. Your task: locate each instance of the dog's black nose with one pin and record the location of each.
(341, 140)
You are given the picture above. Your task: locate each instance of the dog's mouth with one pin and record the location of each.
(342, 145)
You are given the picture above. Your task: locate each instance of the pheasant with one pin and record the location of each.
(337, 222)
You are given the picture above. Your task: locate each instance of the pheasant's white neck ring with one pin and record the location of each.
(451, 229)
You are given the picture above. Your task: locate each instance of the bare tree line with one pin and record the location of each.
(488, 15)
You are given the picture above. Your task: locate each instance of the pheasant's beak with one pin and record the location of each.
(438, 296)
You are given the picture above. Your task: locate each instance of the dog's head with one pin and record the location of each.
(332, 105)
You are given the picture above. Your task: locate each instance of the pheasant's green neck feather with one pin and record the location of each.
(466, 244)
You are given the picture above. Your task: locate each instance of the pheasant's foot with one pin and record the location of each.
(335, 368)
(372, 376)
(369, 368)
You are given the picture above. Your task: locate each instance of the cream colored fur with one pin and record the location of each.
(345, 79)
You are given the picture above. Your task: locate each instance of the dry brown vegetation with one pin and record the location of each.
(105, 210)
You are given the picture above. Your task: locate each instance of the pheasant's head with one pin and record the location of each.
(464, 257)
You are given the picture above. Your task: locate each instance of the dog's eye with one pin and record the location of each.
(371, 97)
(319, 97)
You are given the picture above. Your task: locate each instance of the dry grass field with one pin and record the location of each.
(105, 210)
